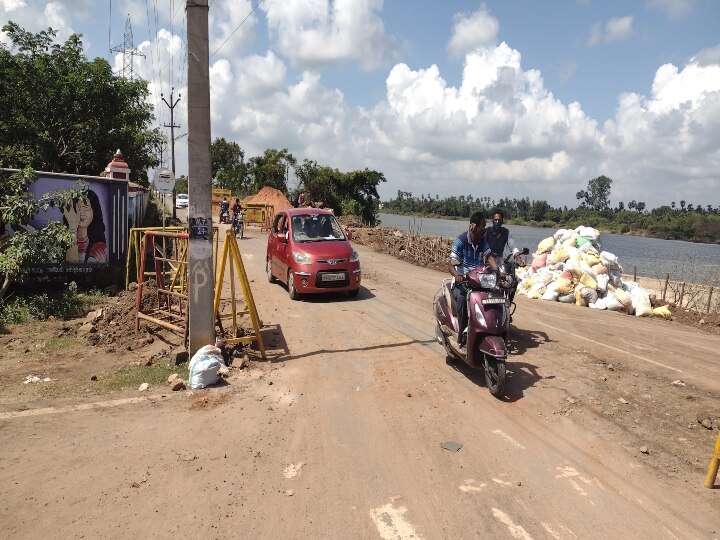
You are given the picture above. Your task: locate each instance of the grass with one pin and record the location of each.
(131, 377)
(63, 344)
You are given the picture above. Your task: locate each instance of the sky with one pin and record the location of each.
(502, 98)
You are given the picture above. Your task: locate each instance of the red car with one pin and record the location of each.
(308, 250)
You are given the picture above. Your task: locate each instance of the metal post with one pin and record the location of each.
(709, 300)
(201, 276)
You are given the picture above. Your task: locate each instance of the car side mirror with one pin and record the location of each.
(286, 237)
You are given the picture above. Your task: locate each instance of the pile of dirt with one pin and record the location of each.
(271, 197)
(351, 221)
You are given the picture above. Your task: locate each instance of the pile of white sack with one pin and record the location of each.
(571, 267)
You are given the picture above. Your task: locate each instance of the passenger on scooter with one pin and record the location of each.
(469, 250)
(499, 237)
(236, 208)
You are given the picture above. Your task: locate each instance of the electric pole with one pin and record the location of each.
(172, 127)
(201, 276)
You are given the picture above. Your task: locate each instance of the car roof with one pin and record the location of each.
(308, 212)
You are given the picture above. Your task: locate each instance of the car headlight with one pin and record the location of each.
(301, 258)
(488, 281)
(354, 257)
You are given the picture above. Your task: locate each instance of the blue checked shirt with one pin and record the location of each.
(466, 255)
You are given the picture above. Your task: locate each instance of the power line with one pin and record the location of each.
(237, 28)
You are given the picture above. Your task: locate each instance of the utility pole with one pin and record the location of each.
(201, 277)
(172, 127)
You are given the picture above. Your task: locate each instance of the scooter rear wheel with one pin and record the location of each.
(495, 375)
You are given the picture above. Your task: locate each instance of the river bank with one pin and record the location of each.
(621, 228)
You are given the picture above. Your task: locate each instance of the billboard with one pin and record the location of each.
(99, 223)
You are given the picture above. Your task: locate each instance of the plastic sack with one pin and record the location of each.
(559, 255)
(563, 285)
(612, 303)
(589, 294)
(599, 269)
(567, 298)
(592, 259)
(588, 232)
(662, 311)
(204, 365)
(598, 304)
(534, 294)
(581, 241)
(602, 282)
(579, 298)
(641, 303)
(545, 246)
(589, 281)
(550, 294)
(610, 261)
(539, 260)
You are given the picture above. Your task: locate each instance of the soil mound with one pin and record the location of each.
(269, 196)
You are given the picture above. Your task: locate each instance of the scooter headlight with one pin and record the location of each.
(479, 316)
(488, 281)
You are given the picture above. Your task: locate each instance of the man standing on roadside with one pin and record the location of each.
(469, 250)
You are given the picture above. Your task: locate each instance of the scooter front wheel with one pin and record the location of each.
(495, 375)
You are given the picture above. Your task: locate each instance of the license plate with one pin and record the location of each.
(332, 277)
(493, 301)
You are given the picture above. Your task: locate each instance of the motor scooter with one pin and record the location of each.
(489, 308)
(224, 216)
(238, 224)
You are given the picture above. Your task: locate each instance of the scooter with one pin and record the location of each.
(489, 308)
(224, 216)
(238, 224)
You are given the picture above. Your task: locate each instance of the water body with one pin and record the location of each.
(685, 261)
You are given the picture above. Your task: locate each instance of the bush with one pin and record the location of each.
(66, 303)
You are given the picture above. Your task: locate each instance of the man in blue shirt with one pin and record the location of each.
(469, 250)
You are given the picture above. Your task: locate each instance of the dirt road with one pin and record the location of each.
(340, 435)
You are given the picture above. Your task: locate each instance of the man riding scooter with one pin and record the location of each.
(469, 250)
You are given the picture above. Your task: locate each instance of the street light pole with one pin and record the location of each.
(172, 127)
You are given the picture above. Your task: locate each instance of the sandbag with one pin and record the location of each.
(567, 298)
(539, 260)
(564, 285)
(610, 261)
(534, 294)
(588, 281)
(602, 282)
(598, 304)
(662, 311)
(612, 303)
(641, 303)
(579, 298)
(567, 274)
(204, 366)
(623, 297)
(591, 259)
(580, 241)
(599, 269)
(559, 255)
(550, 294)
(587, 232)
(563, 235)
(590, 295)
(545, 246)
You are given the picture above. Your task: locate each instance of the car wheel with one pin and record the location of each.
(268, 269)
(292, 291)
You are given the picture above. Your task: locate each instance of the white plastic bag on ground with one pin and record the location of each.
(602, 282)
(598, 304)
(641, 302)
(204, 365)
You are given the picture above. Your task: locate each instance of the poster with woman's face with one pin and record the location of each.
(90, 219)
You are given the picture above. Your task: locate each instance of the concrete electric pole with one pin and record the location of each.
(201, 277)
(172, 127)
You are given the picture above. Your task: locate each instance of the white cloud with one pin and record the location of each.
(707, 57)
(675, 9)
(616, 29)
(315, 33)
(473, 31)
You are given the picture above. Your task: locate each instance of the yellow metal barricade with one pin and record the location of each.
(714, 465)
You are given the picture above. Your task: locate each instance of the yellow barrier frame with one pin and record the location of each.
(714, 465)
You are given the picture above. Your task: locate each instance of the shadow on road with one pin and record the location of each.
(325, 297)
(520, 375)
(276, 347)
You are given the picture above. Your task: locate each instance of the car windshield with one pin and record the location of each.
(316, 228)
(182, 196)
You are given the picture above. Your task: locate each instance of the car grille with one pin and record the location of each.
(322, 284)
(331, 261)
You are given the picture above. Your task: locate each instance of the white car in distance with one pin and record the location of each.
(181, 200)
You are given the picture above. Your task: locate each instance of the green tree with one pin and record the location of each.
(597, 195)
(227, 163)
(23, 247)
(271, 169)
(60, 112)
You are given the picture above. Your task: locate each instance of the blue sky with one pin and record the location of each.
(497, 98)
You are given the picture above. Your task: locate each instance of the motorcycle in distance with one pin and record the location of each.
(238, 224)
(489, 307)
(224, 217)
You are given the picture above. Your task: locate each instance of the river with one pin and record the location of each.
(652, 257)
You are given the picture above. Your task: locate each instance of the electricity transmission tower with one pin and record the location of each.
(128, 51)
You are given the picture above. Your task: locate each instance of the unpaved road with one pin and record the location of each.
(339, 436)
